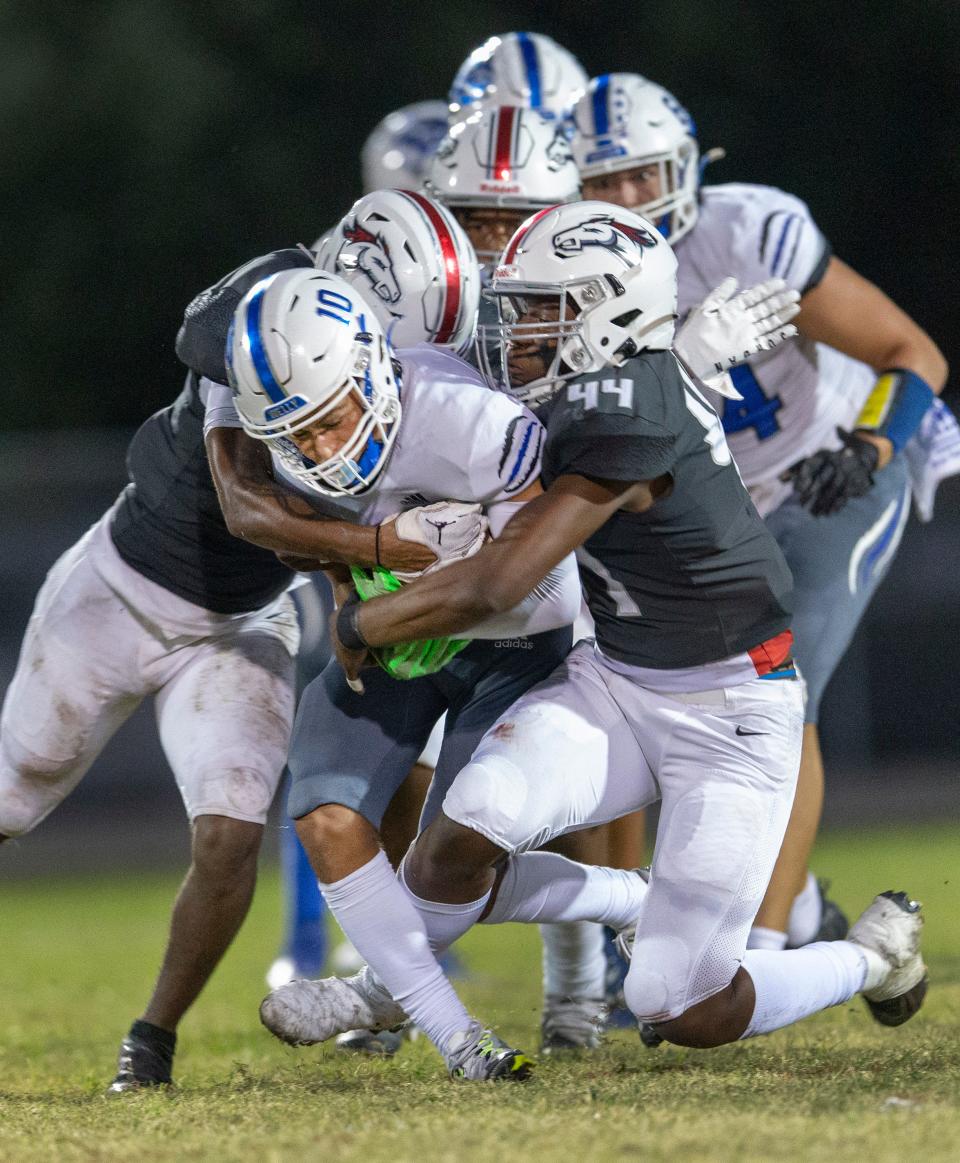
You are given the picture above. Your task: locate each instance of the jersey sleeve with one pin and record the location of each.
(506, 449)
(778, 238)
(220, 411)
(202, 338)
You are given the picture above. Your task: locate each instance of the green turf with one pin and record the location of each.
(78, 959)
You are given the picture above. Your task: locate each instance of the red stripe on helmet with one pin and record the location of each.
(514, 244)
(451, 266)
(503, 153)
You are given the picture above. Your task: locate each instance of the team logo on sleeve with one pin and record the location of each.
(605, 231)
(370, 254)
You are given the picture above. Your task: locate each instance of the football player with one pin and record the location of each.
(690, 594)
(821, 425)
(158, 598)
(689, 694)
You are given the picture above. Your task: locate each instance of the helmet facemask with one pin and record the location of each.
(566, 339)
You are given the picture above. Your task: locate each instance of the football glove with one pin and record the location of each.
(830, 478)
(726, 329)
(451, 530)
(405, 659)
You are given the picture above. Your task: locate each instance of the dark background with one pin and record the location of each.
(149, 146)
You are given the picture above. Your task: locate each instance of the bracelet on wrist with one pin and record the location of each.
(347, 629)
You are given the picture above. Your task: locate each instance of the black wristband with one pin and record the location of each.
(376, 546)
(347, 629)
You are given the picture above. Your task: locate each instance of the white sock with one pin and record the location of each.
(377, 915)
(798, 982)
(574, 964)
(806, 913)
(761, 938)
(444, 923)
(542, 886)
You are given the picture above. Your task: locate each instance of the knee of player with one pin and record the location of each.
(333, 828)
(30, 788)
(490, 797)
(447, 852)
(223, 847)
(647, 989)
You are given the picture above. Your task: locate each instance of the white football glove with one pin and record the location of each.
(452, 530)
(726, 329)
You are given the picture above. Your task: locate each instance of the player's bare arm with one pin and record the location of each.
(547, 528)
(834, 312)
(258, 509)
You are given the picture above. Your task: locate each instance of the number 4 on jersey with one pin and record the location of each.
(756, 410)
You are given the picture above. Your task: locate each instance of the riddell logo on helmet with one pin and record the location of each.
(499, 188)
(507, 272)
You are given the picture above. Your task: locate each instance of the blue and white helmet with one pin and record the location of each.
(624, 122)
(399, 149)
(526, 69)
(300, 342)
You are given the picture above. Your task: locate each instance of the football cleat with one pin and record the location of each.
(649, 1036)
(571, 1023)
(142, 1063)
(834, 924)
(306, 1012)
(480, 1056)
(379, 1043)
(890, 927)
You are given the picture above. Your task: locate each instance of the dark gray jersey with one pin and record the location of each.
(168, 524)
(697, 577)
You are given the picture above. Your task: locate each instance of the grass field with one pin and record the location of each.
(79, 955)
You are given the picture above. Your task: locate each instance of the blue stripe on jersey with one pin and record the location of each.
(870, 559)
(524, 445)
(255, 342)
(783, 239)
(528, 50)
(601, 107)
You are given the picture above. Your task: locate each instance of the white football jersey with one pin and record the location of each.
(458, 441)
(794, 397)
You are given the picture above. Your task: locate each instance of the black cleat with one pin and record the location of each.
(649, 1036)
(145, 1060)
(834, 924)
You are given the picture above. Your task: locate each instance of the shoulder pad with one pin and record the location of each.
(202, 337)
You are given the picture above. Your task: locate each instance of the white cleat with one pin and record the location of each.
(306, 1012)
(890, 928)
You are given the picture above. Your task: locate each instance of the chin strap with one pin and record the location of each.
(896, 405)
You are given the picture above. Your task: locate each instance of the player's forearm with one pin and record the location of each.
(552, 603)
(269, 524)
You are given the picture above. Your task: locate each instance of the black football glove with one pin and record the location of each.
(825, 481)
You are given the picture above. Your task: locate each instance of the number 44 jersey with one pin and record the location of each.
(695, 579)
(795, 396)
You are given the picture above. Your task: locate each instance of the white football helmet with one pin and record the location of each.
(508, 157)
(399, 149)
(414, 264)
(301, 341)
(624, 121)
(518, 68)
(611, 268)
